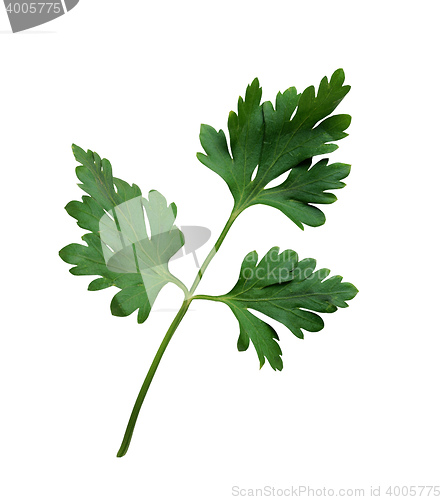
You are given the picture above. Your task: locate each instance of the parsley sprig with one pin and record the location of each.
(265, 141)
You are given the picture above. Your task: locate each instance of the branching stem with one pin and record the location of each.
(169, 334)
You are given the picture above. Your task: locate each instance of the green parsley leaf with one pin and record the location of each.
(118, 247)
(269, 141)
(287, 290)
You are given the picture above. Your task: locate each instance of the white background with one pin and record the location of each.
(357, 404)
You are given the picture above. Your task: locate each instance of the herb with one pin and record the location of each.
(265, 142)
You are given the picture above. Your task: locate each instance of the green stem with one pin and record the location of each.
(147, 381)
(206, 297)
(215, 249)
(156, 361)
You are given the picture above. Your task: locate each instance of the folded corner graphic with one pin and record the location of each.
(26, 14)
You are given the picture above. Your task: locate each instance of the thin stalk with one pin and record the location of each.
(215, 249)
(206, 297)
(177, 320)
(147, 381)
